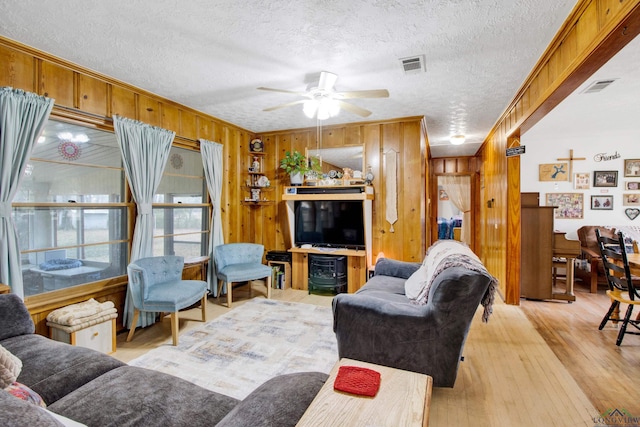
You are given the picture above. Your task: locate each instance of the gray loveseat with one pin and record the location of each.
(98, 390)
(380, 324)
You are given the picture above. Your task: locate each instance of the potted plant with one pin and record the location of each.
(297, 165)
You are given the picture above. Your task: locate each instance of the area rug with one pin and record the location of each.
(258, 340)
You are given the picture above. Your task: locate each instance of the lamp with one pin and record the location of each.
(323, 107)
(457, 139)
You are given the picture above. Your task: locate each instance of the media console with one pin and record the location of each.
(357, 260)
(356, 267)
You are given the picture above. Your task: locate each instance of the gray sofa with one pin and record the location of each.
(379, 324)
(98, 390)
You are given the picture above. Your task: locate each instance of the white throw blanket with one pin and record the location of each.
(442, 255)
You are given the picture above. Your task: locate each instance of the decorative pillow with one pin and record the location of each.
(23, 392)
(10, 367)
(416, 283)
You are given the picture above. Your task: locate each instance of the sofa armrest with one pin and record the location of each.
(14, 317)
(395, 268)
(281, 401)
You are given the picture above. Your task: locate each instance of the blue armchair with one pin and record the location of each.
(156, 285)
(240, 262)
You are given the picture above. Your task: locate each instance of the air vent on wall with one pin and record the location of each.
(598, 85)
(412, 65)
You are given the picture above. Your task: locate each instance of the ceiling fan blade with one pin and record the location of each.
(327, 80)
(305, 94)
(353, 108)
(288, 104)
(374, 93)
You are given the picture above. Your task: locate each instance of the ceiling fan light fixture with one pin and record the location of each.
(309, 108)
(457, 139)
(324, 108)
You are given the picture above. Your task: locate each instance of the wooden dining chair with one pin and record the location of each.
(621, 288)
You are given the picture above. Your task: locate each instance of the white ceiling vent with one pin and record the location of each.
(413, 64)
(598, 85)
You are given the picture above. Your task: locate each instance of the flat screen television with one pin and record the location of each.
(329, 223)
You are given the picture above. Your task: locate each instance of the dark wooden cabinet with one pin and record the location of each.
(537, 250)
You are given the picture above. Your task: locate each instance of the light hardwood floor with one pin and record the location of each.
(543, 363)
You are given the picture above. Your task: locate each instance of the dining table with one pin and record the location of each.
(634, 263)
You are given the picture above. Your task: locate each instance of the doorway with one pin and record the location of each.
(454, 208)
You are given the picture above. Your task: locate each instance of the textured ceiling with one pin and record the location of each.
(212, 56)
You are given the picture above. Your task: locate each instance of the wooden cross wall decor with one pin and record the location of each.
(571, 159)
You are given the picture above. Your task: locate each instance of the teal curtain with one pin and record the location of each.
(212, 161)
(145, 150)
(22, 117)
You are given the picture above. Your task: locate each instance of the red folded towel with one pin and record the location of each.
(356, 380)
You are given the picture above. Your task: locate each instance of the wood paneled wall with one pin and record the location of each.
(85, 97)
(405, 138)
(590, 36)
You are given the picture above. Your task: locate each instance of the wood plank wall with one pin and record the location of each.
(85, 97)
(590, 36)
(406, 138)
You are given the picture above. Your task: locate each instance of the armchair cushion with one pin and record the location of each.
(243, 272)
(14, 317)
(395, 268)
(172, 296)
(239, 262)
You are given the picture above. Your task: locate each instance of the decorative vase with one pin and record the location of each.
(296, 178)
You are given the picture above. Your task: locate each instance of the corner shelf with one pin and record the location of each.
(257, 202)
(252, 176)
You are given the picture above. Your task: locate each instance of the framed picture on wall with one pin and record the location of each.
(553, 172)
(602, 203)
(581, 181)
(568, 205)
(605, 178)
(631, 167)
(631, 199)
(632, 185)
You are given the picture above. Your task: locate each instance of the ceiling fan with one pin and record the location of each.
(322, 99)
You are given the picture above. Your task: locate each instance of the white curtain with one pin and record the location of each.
(212, 161)
(145, 150)
(458, 188)
(22, 117)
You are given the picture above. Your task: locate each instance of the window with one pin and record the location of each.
(181, 208)
(70, 210)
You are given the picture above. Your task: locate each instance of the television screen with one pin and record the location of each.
(329, 223)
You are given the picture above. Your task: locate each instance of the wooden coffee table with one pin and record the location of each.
(403, 400)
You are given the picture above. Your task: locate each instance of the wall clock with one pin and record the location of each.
(256, 145)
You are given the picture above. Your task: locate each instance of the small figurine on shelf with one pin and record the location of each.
(255, 165)
(255, 194)
(369, 176)
(347, 174)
